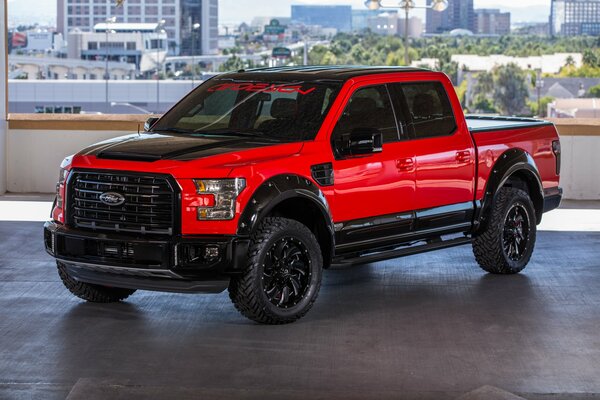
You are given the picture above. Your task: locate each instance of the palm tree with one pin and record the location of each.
(570, 61)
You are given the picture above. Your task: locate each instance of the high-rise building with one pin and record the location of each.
(360, 18)
(338, 17)
(459, 15)
(490, 21)
(575, 17)
(390, 23)
(179, 16)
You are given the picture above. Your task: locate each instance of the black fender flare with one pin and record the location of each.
(510, 162)
(275, 191)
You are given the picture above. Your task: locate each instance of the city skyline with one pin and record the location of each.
(237, 11)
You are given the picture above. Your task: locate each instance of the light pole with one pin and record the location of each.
(109, 21)
(159, 30)
(195, 27)
(407, 5)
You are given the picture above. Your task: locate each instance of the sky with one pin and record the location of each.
(236, 11)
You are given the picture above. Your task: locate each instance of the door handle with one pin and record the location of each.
(463, 156)
(405, 164)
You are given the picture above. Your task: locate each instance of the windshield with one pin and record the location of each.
(286, 111)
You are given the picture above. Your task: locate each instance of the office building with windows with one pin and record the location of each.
(491, 22)
(180, 16)
(575, 17)
(460, 14)
(338, 17)
(139, 44)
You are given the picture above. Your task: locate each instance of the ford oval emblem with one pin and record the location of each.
(112, 198)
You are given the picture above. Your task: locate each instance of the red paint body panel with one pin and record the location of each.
(444, 169)
(537, 142)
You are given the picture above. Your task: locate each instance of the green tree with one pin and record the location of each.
(235, 63)
(594, 91)
(484, 85)
(544, 101)
(590, 58)
(510, 89)
(483, 105)
(570, 61)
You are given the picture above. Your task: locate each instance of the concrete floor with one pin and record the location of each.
(431, 326)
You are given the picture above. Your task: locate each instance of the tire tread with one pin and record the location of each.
(90, 292)
(242, 292)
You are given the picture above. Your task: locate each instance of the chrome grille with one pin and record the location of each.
(148, 207)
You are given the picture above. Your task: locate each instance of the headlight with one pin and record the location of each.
(217, 197)
(62, 176)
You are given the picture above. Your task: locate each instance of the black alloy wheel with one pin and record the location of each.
(516, 232)
(287, 272)
(506, 242)
(283, 276)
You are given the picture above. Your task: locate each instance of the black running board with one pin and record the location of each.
(405, 251)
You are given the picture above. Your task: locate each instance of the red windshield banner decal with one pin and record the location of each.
(262, 87)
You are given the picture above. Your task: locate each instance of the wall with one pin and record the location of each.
(3, 93)
(37, 143)
(25, 95)
(580, 169)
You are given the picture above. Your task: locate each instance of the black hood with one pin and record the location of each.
(153, 147)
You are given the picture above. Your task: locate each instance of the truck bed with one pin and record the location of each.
(477, 123)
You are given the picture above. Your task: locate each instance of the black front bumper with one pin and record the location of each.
(185, 264)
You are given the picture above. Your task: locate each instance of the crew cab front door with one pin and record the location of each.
(374, 193)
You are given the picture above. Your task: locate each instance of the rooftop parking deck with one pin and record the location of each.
(431, 326)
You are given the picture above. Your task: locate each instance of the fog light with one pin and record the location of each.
(211, 253)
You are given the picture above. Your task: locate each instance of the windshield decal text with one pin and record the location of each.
(261, 87)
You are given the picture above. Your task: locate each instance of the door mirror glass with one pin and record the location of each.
(149, 123)
(362, 141)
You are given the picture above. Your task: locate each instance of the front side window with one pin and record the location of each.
(288, 111)
(430, 111)
(369, 108)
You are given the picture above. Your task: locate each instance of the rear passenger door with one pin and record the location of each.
(444, 156)
(374, 193)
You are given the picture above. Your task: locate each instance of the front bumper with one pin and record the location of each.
(185, 264)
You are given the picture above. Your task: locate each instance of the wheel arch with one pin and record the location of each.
(294, 197)
(514, 168)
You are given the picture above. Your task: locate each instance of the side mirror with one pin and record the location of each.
(362, 141)
(149, 123)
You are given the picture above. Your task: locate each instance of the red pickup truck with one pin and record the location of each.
(258, 180)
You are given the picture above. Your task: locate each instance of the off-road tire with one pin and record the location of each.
(90, 292)
(488, 246)
(248, 291)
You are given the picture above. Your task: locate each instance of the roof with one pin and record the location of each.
(319, 72)
(126, 26)
(567, 87)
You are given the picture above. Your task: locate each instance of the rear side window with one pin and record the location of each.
(430, 112)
